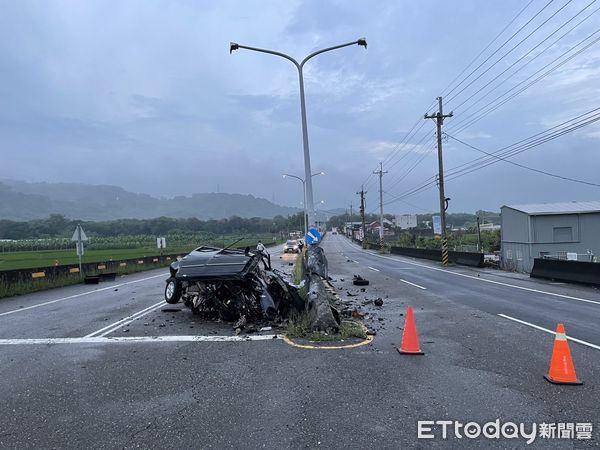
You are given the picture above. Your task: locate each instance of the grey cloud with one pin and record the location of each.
(146, 96)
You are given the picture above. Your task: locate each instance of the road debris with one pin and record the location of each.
(357, 280)
(357, 315)
(378, 301)
(240, 323)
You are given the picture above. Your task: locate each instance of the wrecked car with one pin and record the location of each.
(229, 283)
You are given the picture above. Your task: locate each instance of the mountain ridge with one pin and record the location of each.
(20, 200)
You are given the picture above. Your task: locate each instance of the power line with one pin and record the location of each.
(499, 48)
(413, 167)
(399, 147)
(475, 116)
(510, 51)
(527, 54)
(535, 140)
(561, 127)
(523, 166)
(486, 47)
(532, 144)
(413, 131)
(409, 204)
(402, 145)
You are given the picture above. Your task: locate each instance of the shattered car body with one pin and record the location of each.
(229, 284)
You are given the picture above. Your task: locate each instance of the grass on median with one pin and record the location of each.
(299, 327)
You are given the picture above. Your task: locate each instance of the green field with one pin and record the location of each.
(29, 260)
(45, 258)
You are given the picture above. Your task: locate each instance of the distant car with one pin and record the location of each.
(291, 246)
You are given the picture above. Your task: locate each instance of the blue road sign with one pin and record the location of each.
(312, 237)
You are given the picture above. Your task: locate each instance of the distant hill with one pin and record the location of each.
(24, 201)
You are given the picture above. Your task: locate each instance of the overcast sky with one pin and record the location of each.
(145, 95)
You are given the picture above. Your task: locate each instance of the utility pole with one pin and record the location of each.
(380, 172)
(478, 236)
(351, 227)
(362, 215)
(439, 120)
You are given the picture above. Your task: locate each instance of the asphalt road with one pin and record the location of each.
(538, 302)
(108, 367)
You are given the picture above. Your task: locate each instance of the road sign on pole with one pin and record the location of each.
(437, 224)
(312, 236)
(79, 236)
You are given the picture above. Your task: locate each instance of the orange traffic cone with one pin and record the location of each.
(410, 340)
(562, 370)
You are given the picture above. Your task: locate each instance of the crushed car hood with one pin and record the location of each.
(209, 263)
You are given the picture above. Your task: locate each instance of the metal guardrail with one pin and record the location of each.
(72, 270)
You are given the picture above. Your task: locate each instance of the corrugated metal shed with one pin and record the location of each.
(538, 209)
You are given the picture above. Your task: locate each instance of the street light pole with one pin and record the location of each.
(307, 170)
(304, 193)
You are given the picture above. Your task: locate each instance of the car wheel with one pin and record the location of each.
(172, 291)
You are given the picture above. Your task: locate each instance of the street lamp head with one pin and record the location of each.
(233, 46)
(362, 42)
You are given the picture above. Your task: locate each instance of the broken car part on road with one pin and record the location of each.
(359, 281)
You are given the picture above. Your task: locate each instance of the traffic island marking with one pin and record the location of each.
(307, 344)
(327, 345)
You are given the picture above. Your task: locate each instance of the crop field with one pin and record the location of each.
(49, 257)
(44, 258)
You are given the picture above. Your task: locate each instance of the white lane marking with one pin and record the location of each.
(125, 319)
(537, 327)
(490, 281)
(79, 295)
(373, 268)
(139, 339)
(138, 316)
(413, 284)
